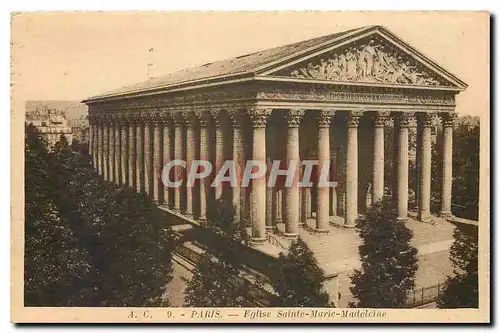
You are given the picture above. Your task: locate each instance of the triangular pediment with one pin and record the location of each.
(375, 57)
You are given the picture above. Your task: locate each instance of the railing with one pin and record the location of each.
(425, 295)
(274, 241)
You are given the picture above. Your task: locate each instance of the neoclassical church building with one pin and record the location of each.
(330, 98)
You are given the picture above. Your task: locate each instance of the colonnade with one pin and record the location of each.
(131, 148)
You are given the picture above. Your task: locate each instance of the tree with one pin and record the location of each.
(216, 283)
(388, 261)
(138, 247)
(465, 190)
(461, 290)
(54, 261)
(89, 242)
(300, 279)
(217, 280)
(126, 234)
(221, 221)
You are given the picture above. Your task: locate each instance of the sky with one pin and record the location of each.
(74, 55)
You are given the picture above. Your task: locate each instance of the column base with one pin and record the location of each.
(291, 236)
(257, 241)
(302, 224)
(270, 228)
(321, 231)
(189, 215)
(424, 217)
(350, 222)
(446, 215)
(402, 219)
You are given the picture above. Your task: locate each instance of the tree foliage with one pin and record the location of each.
(54, 260)
(217, 279)
(216, 283)
(388, 261)
(300, 279)
(461, 290)
(465, 191)
(120, 244)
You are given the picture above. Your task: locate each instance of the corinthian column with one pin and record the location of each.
(237, 118)
(91, 138)
(448, 120)
(333, 159)
(404, 121)
(96, 144)
(100, 146)
(179, 119)
(139, 161)
(106, 149)
(148, 156)
(270, 191)
(204, 118)
(117, 149)
(425, 121)
(258, 117)
(219, 147)
(351, 194)
(380, 120)
(323, 193)
(124, 150)
(291, 210)
(156, 142)
(112, 149)
(166, 147)
(190, 157)
(132, 152)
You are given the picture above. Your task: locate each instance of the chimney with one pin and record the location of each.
(151, 66)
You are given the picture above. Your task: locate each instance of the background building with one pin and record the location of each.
(53, 118)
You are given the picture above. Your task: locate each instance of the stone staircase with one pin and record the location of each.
(341, 244)
(433, 269)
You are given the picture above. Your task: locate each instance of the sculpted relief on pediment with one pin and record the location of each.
(369, 60)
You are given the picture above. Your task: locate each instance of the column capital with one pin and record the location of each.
(156, 118)
(237, 117)
(381, 118)
(117, 118)
(325, 117)
(92, 119)
(218, 115)
(145, 116)
(405, 119)
(449, 118)
(203, 117)
(122, 119)
(97, 118)
(106, 118)
(425, 119)
(192, 118)
(131, 117)
(293, 117)
(353, 118)
(179, 118)
(164, 117)
(258, 116)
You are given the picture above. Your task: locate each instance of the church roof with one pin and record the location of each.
(245, 65)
